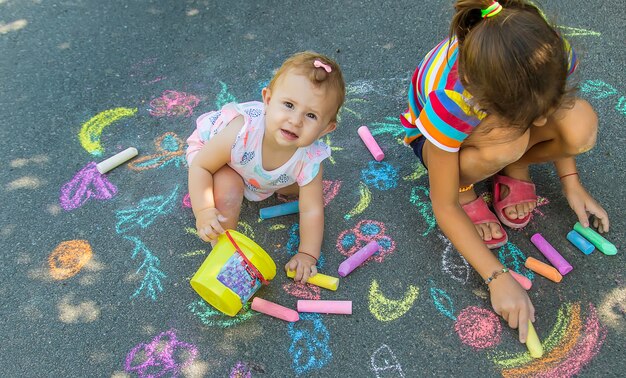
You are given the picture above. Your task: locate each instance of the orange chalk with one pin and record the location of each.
(543, 269)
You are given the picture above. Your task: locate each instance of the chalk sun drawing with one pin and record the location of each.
(365, 197)
(453, 263)
(152, 275)
(90, 131)
(350, 241)
(310, 343)
(172, 104)
(146, 213)
(170, 150)
(86, 183)
(570, 346)
(383, 362)
(330, 144)
(68, 258)
(420, 198)
(380, 175)
(213, 318)
(165, 355)
(385, 309)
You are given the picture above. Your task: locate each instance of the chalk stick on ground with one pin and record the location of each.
(580, 242)
(275, 310)
(116, 160)
(522, 280)
(370, 143)
(551, 254)
(358, 258)
(532, 342)
(596, 239)
(321, 280)
(279, 210)
(543, 269)
(325, 307)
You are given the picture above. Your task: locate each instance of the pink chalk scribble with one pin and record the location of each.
(303, 291)
(331, 189)
(478, 327)
(172, 104)
(351, 241)
(164, 355)
(87, 183)
(187, 201)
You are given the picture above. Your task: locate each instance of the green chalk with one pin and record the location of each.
(596, 239)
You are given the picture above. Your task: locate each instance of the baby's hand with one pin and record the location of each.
(208, 224)
(511, 301)
(303, 265)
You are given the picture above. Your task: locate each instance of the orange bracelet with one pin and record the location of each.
(569, 174)
(466, 188)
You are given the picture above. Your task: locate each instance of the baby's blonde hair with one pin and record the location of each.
(303, 63)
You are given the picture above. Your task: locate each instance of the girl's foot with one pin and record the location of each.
(521, 210)
(484, 220)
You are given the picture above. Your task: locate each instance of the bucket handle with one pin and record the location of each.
(255, 272)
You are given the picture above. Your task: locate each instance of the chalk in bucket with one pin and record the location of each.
(231, 274)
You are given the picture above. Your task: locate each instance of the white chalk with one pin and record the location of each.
(116, 160)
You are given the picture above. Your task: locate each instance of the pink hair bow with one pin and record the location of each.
(318, 64)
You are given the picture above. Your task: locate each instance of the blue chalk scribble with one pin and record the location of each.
(420, 197)
(310, 343)
(152, 275)
(380, 175)
(442, 302)
(146, 213)
(513, 258)
(294, 242)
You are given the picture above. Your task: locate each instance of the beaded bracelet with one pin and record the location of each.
(466, 188)
(495, 275)
(308, 254)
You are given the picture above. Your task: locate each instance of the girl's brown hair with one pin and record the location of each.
(304, 64)
(514, 64)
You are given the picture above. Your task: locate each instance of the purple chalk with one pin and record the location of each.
(358, 258)
(551, 254)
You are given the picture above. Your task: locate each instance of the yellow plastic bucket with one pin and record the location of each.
(231, 274)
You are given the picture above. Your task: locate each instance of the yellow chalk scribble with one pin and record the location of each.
(277, 227)
(419, 172)
(385, 309)
(364, 201)
(91, 130)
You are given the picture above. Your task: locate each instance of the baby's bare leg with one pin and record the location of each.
(228, 194)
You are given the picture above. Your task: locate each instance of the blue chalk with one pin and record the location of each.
(580, 242)
(278, 210)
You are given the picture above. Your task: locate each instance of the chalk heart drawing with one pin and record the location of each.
(478, 327)
(87, 183)
(350, 241)
(385, 309)
(211, 317)
(310, 343)
(163, 356)
(384, 363)
(68, 258)
(570, 345)
(170, 150)
(90, 131)
(173, 103)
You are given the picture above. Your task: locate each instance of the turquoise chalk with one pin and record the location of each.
(596, 239)
(279, 210)
(580, 242)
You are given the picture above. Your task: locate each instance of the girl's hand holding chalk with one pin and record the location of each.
(321, 280)
(370, 143)
(532, 342)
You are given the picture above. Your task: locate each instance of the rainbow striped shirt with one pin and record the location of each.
(439, 106)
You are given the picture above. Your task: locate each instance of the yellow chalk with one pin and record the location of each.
(532, 342)
(321, 280)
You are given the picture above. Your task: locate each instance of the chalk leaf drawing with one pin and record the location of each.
(420, 198)
(170, 150)
(172, 104)
(332, 147)
(90, 131)
(442, 302)
(146, 213)
(621, 105)
(453, 263)
(68, 258)
(384, 363)
(152, 275)
(418, 171)
(310, 343)
(87, 183)
(365, 197)
(478, 327)
(211, 317)
(385, 309)
(597, 89)
(165, 355)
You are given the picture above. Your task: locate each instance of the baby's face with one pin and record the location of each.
(297, 112)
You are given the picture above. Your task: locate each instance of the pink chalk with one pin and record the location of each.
(325, 307)
(551, 254)
(522, 280)
(275, 310)
(358, 258)
(370, 143)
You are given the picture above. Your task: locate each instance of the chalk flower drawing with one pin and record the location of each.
(310, 343)
(172, 103)
(380, 175)
(87, 183)
(163, 356)
(146, 213)
(170, 149)
(151, 282)
(351, 241)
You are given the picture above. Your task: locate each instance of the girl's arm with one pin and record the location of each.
(214, 155)
(311, 207)
(578, 198)
(508, 298)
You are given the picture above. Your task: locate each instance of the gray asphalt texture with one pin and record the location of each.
(64, 62)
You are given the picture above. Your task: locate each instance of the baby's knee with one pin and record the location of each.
(581, 132)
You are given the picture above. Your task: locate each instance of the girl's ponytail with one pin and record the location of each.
(467, 16)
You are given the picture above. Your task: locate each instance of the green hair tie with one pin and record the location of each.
(491, 10)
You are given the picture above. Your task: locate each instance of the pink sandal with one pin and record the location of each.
(479, 213)
(519, 192)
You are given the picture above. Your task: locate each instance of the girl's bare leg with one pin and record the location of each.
(228, 194)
